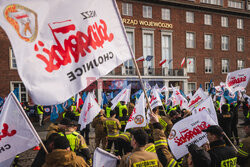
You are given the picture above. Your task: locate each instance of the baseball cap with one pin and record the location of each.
(214, 129)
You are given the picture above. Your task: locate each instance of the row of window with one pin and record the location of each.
(191, 65)
(208, 42)
(192, 86)
(127, 10)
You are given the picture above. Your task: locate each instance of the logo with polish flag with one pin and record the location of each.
(140, 59)
(23, 20)
(124, 95)
(197, 98)
(162, 62)
(66, 46)
(137, 118)
(183, 62)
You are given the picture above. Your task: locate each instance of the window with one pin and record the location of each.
(191, 87)
(208, 65)
(240, 23)
(166, 48)
(12, 59)
(240, 44)
(148, 50)
(224, 43)
(22, 92)
(225, 65)
(235, 4)
(127, 9)
(207, 85)
(147, 11)
(190, 17)
(129, 65)
(207, 19)
(190, 40)
(224, 21)
(190, 65)
(240, 64)
(213, 2)
(165, 14)
(208, 41)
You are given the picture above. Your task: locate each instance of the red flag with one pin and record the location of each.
(140, 59)
(162, 62)
(183, 62)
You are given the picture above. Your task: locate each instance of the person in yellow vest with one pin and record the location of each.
(100, 135)
(124, 119)
(40, 111)
(112, 126)
(76, 141)
(108, 109)
(139, 157)
(122, 107)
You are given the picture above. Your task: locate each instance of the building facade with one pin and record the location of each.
(213, 36)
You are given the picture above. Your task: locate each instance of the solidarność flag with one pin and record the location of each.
(61, 47)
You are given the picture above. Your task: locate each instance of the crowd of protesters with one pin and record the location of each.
(145, 146)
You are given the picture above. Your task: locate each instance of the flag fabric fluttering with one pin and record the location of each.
(137, 118)
(17, 135)
(124, 95)
(103, 158)
(44, 41)
(140, 59)
(183, 62)
(155, 99)
(178, 99)
(149, 58)
(197, 98)
(162, 62)
(89, 111)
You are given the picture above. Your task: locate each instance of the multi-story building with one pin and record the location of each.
(212, 35)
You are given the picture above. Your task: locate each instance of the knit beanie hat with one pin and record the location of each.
(61, 143)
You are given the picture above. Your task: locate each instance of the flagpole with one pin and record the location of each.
(142, 85)
(230, 141)
(30, 124)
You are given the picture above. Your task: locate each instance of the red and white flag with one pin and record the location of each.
(140, 59)
(155, 99)
(124, 95)
(79, 100)
(103, 158)
(16, 135)
(89, 111)
(62, 47)
(162, 62)
(178, 99)
(237, 80)
(183, 62)
(197, 98)
(207, 106)
(188, 131)
(137, 118)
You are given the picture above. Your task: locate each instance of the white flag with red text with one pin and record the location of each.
(61, 47)
(237, 80)
(137, 118)
(208, 106)
(89, 111)
(188, 131)
(16, 136)
(196, 99)
(155, 99)
(124, 95)
(178, 99)
(103, 158)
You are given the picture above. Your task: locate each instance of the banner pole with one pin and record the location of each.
(230, 142)
(30, 124)
(142, 85)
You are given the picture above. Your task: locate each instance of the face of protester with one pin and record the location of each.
(133, 142)
(211, 137)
